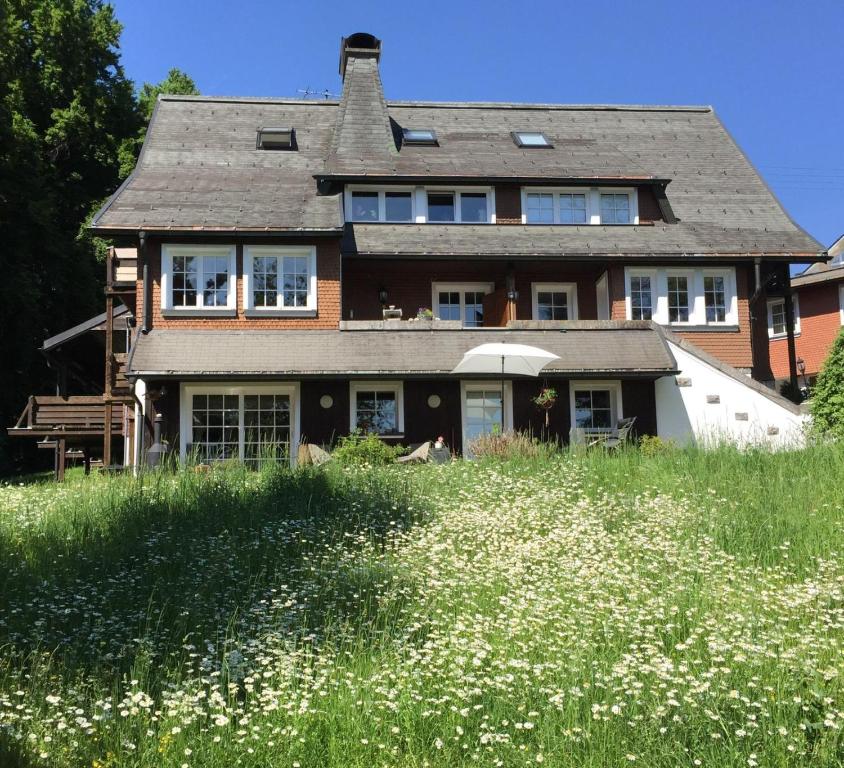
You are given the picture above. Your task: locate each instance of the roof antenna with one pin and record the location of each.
(308, 93)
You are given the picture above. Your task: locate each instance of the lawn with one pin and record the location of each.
(680, 609)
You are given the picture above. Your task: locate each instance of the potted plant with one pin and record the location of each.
(545, 401)
(546, 398)
(423, 313)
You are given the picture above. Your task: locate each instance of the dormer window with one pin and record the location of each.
(419, 136)
(274, 138)
(394, 205)
(530, 139)
(402, 205)
(615, 208)
(579, 205)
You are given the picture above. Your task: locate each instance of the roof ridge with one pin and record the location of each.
(703, 108)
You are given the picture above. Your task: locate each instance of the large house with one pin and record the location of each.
(818, 301)
(284, 248)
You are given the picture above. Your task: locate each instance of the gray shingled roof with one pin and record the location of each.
(200, 171)
(632, 348)
(824, 272)
(537, 240)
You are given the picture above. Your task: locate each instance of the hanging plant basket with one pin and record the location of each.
(546, 399)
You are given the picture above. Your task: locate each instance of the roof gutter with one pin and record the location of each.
(131, 231)
(579, 181)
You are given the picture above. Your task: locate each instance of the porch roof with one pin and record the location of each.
(596, 348)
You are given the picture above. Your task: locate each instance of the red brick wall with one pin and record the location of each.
(820, 324)
(733, 347)
(328, 290)
(408, 283)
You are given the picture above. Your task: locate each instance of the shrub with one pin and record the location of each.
(507, 445)
(358, 448)
(828, 394)
(651, 445)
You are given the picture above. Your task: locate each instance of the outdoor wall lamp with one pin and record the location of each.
(382, 296)
(801, 366)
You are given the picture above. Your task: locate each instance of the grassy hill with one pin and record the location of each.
(684, 608)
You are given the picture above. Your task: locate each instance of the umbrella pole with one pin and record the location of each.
(502, 394)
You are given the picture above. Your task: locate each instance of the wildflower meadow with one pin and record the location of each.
(678, 609)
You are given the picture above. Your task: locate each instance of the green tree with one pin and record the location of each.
(71, 127)
(828, 393)
(176, 82)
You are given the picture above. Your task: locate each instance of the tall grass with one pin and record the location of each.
(568, 609)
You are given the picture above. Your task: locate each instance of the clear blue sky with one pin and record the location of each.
(772, 69)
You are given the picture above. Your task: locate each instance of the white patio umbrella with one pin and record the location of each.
(505, 359)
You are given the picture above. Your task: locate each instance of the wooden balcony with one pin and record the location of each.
(75, 418)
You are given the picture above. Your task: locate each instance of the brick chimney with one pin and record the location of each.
(363, 135)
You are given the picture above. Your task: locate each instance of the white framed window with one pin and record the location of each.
(841, 302)
(482, 410)
(460, 301)
(690, 297)
(280, 280)
(198, 278)
(377, 407)
(554, 301)
(397, 204)
(579, 205)
(641, 303)
(777, 320)
(470, 205)
(679, 290)
(615, 208)
(595, 405)
(251, 423)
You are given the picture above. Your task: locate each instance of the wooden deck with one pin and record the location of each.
(64, 422)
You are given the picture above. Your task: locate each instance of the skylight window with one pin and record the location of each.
(423, 136)
(275, 138)
(531, 139)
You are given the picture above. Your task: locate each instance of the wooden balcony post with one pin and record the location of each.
(61, 450)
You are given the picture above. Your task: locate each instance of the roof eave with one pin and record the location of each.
(375, 178)
(112, 231)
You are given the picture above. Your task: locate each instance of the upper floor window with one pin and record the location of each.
(556, 208)
(198, 278)
(420, 204)
(679, 296)
(579, 206)
(371, 205)
(463, 302)
(778, 319)
(554, 301)
(279, 279)
(641, 298)
(462, 207)
(615, 208)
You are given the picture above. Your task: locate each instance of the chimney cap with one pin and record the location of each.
(362, 44)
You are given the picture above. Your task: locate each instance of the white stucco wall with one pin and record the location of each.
(684, 414)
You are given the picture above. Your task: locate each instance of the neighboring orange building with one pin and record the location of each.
(818, 317)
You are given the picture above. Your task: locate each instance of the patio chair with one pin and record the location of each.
(615, 438)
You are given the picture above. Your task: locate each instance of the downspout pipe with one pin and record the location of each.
(146, 325)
